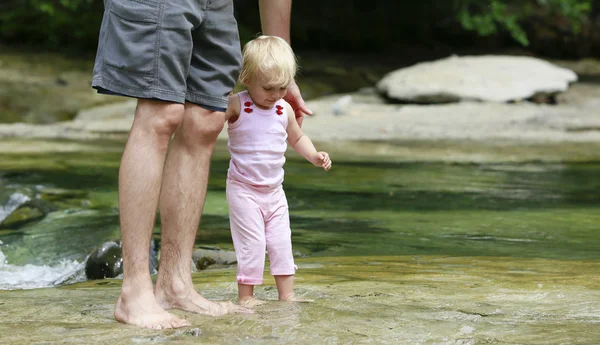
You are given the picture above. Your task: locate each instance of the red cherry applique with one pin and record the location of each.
(248, 110)
(279, 112)
(248, 104)
(278, 107)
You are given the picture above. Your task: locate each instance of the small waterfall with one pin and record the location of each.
(33, 276)
(38, 276)
(14, 202)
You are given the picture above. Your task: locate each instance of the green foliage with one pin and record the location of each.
(331, 25)
(51, 23)
(487, 17)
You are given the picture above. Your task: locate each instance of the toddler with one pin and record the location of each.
(259, 123)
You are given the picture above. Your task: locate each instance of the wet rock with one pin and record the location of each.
(107, 261)
(64, 198)
(21, 207)
(22, 216)
(487, 78)
(122, 111)
(11, 202)
(202, 258)
(60, 194)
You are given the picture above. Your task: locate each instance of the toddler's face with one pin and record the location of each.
(265, 95)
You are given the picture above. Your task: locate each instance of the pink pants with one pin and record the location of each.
(259, 218)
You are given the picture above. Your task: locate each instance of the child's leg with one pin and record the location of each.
(246, 296)
(248, 234)
(285, 287)
(279, 245)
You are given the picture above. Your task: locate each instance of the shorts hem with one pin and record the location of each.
(249, 281)
(211, 101)
(109, 87)
(285, 272)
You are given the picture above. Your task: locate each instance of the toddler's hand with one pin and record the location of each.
(321, 159)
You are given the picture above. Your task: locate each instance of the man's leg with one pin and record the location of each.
(140, 177)
(181, 201)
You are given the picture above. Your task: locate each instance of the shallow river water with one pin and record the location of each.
(391, 252)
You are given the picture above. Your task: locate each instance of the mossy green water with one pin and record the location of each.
(538, 210)
(395, 251)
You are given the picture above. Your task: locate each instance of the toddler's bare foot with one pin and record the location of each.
(251, 302)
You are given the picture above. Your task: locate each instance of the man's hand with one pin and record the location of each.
(275, 21)
(294, 98)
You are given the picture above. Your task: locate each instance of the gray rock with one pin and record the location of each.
(202, 258)
(486, 78)
(108, 112)
(107, 261)
(12, 203)
(339, 107)
(20, 206)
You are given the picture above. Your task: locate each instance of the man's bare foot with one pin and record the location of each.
(251, 302)
(141, 309)
(192, 301)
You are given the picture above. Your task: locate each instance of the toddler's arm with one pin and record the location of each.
(233, 108)
(302, 144)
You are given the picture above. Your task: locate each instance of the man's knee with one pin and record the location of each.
(172, 119)
(160, 118)
(203, 124)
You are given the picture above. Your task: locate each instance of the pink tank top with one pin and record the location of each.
(257, 144)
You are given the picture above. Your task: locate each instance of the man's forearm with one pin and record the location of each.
(275, 17)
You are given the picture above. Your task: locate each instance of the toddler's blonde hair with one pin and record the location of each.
(270, 57)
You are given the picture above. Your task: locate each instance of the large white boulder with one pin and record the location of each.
(488, 78)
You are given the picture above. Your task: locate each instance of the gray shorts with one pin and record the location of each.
(171, 50)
